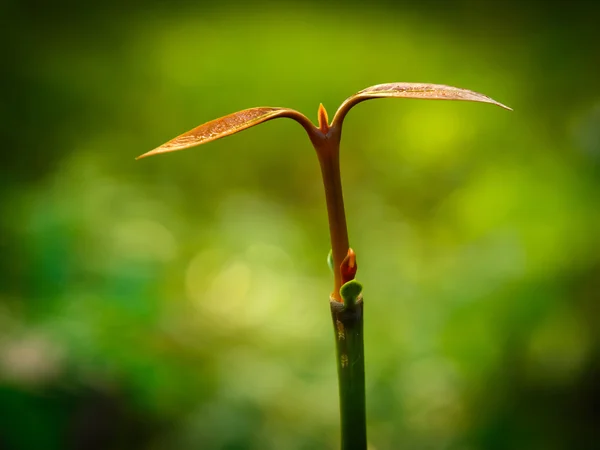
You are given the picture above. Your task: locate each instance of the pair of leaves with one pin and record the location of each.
(241, 120)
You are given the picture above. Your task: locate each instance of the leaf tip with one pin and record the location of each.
(145, 155)
(501, 105)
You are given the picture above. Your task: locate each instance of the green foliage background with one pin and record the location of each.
(181, 301)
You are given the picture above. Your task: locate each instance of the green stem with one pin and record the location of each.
(348, 326)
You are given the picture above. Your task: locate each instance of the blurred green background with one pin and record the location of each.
(181, 301)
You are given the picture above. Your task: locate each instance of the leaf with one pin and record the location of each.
(413, 90)
(426, 91)
(226, 126)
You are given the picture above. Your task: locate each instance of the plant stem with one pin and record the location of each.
(347, 316)
(348, 327)
(329, 159)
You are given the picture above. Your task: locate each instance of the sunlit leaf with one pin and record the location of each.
(225, 126)
(426, 91)
(413, 90)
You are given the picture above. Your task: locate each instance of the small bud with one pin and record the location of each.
(323, 119)
(350, 293)
(330, 260)
(348, 267)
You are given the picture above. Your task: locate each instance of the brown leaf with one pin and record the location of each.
(225, 126)
(426, 91)
(413, 90)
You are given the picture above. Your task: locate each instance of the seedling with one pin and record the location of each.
(346, 301)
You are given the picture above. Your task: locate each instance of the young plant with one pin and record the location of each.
(346, 301)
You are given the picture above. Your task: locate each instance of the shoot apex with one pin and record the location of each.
(323, 119)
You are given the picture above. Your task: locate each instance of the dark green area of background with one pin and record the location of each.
(181, 301)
